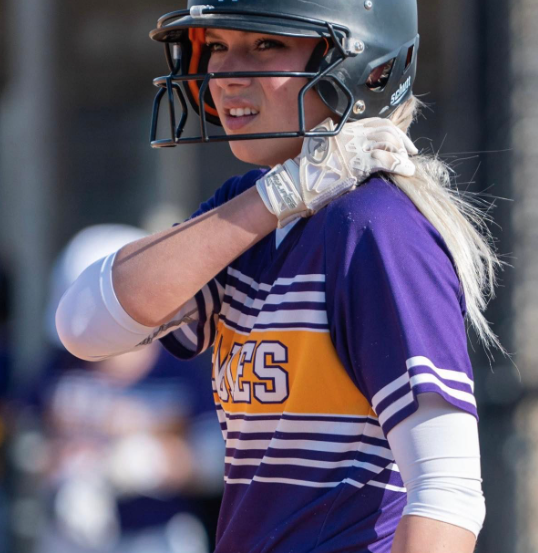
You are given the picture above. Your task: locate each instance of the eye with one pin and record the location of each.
(215, 47)
(268, 44)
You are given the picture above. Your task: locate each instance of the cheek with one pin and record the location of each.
(284, 95)
(279, 88)
(316, 111)
(213, 89)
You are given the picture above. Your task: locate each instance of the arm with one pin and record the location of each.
(144, 291)
(437, 451)
(424, 535)
(152, 280)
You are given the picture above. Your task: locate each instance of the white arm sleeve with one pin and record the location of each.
(437, 451)
(93, 325)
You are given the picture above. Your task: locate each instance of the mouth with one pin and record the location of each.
(238, 117)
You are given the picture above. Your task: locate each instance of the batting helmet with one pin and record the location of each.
(365, 67)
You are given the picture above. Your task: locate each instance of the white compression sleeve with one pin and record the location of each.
(93, 325)
(437, 451)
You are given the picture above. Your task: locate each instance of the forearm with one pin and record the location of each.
(425, 535)
(155, 276)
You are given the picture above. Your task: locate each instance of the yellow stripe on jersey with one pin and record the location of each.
(296, 371)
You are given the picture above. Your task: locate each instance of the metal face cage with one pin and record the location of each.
(170, 86)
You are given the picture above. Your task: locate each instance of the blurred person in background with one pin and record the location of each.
(132, 447)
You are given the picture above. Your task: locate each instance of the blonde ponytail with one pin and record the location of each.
(461, 224)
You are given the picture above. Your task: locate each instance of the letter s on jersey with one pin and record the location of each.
(267, 354)
(265, 381)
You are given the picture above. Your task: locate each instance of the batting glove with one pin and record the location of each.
(331, 166)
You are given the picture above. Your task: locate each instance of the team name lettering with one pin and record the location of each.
(252, 371)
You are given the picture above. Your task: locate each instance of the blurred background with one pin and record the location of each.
(126, 457)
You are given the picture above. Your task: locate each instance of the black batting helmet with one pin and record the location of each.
(365, 67)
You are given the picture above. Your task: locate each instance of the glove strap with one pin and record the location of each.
(279, 191)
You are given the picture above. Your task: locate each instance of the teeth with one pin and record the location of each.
(240, 112)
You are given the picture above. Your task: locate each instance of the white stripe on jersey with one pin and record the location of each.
(406, 378)
(272, 299)
(209, 306)
(376, 485)
(315, 427)
(445, 374)
(310, 484)
(278, 282)
(289, 316)
(189, 335)
(281, 481)
(312, 445)
(296, 461)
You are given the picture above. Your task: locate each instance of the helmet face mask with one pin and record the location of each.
(357, 71)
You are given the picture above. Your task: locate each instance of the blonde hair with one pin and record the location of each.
(461, 224)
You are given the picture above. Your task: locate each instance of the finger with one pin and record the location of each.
(389, 127)
(393, 146)
(385, 141)
(408, 143)
(393, 163)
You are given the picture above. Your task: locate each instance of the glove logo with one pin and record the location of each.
(317, 149)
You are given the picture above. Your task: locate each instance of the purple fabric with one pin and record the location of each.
(392, 294)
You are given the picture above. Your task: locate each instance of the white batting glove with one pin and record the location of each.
(330, 167)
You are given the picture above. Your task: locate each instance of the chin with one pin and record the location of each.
(266, 152)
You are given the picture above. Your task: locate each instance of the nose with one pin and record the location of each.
(231, 62)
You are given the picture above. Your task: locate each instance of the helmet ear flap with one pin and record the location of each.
(325, 88)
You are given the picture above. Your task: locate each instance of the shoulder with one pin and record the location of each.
(376, 205)
(379, 221)
(379, 211)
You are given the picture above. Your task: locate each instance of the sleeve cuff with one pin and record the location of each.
(112, 303)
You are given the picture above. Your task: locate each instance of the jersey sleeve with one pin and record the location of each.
(395, 306)
(189, 340)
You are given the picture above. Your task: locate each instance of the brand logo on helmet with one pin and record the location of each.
(317, 148)
(396, 98)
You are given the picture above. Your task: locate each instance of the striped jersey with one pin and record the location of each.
(320, 347)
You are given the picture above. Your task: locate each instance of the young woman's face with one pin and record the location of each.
(268, 104)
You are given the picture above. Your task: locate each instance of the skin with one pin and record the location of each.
(275, 98)
(172, 258)
(425, 535)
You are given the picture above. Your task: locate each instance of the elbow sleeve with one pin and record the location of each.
(437, 452)
(91, 322)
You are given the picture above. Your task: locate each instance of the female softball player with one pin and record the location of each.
(336, 311)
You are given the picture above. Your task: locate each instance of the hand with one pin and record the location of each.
(330, 167)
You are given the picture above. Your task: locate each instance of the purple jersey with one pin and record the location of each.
(321, 347)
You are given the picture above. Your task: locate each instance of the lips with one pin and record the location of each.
(238, 113)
